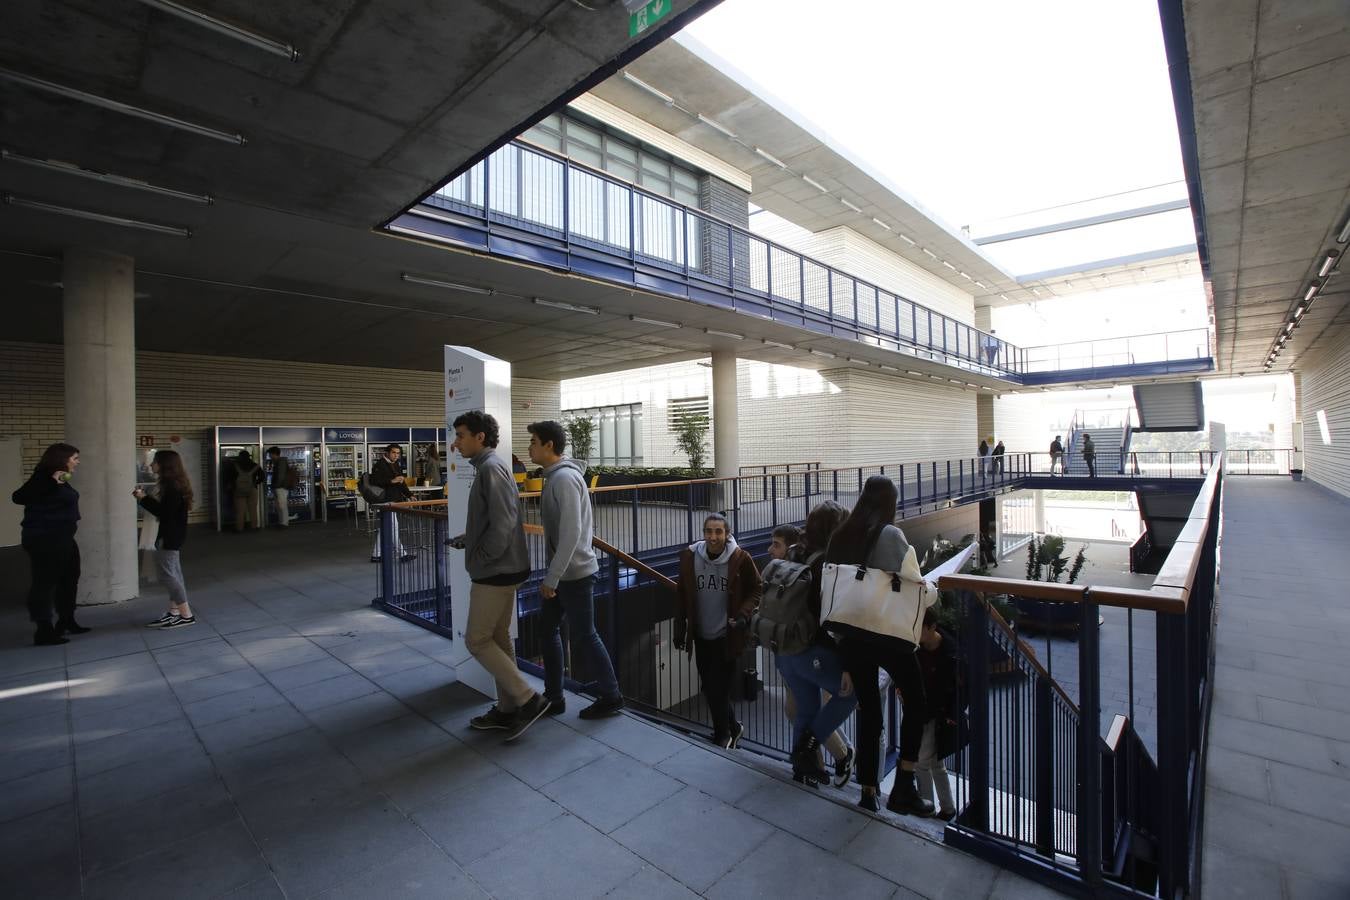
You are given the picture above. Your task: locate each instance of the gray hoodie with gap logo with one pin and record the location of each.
(566, 510)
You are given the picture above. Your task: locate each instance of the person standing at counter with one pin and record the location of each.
(51, 515)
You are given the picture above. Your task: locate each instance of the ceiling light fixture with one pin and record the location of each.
(570, 307)
(769, 343)
(70, 93)
(929, 252)
(885, 368)
(949, 265)
(726, 334)
(66, 168)
(1344, 235)
(771, 158)
(448, 285)
(229, 29)
(634, 80)
(861, 362)
(854, 207)
(980, 285)
(1313, 288)
(907, 239)
(1328, 263)
(956, 381)
(716, 126)
(914, 373)
(92, 216)
(815, 184)
(965, 276)
(823, 353)
(1289, 326)
(660, 322)
(881, 223)
(1298, 313)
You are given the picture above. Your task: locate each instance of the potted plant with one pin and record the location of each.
(1046, 562)
(581, 435)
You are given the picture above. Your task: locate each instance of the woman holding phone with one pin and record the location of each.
(171, 508)
(51, 514)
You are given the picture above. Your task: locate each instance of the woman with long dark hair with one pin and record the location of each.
(171, 508)
(869, 537)
(51, 514)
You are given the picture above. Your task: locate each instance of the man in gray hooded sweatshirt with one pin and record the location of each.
(498, 563)
(568, 586)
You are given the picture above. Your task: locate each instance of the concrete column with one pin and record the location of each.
(99, 314)
(726, 436)
(1040, 511)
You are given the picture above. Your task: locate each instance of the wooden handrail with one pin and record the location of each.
(626, 559)
(1027, 651)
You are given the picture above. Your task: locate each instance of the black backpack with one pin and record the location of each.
(369, 491)
(784, 622)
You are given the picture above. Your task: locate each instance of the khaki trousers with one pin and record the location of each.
(488, 637)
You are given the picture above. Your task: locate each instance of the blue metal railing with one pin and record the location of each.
(1135, 349)
(596, 218)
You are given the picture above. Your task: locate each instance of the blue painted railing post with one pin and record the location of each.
(689, 504)
(773, 505)
(612, 608)
(566, 200)
(636, 544)
(902, 486)
(1088, 810)
(979, 643)
(1173, 751)
(438, 535)
(1045, 768)
(388, 554)
(835, 473)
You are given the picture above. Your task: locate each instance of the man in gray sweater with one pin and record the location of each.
(568, 586)
(498, 563)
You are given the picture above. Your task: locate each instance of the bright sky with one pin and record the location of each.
(980, 109)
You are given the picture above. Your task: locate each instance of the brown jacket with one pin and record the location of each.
(744, 589)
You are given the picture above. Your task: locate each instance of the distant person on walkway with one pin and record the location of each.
(281, 485)
(938, 662)
(1056, 455)
(51, 515)
(820, 692)
(498, 564)
(568, 588)
(984, 458)
(865, 653)
(245, 478)
(1090, 455)
(988, 547)
(991, 347)
(999, 452)
(718, 590)
(784, 538)
(433, 467)
(171, 508)
(388, 474)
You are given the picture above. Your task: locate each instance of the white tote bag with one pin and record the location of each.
(856, 598)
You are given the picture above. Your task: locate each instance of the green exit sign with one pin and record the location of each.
(647, 16)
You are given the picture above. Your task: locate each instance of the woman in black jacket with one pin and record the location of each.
(171, 508)
(51, 514)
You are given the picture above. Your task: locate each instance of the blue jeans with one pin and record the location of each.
(574, 601)
(816, 669)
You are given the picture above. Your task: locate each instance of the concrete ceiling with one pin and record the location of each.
(1272, 118)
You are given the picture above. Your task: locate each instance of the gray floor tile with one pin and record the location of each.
(294, 800)
(399, 659)
(279, 758)
(420, 871)
(417, 781)
(21, 797)
(1288, 838)
(316, 695)
(134, 782)
(39, 856)
(1312, 793)
(936, 872)
(251, 728)
(806, 814)
(1307, 719)
(1302, 886)
(224, 707)
(109, 840)
(183, 869)
(157, 707)
(262, 889)
(1307, 750)
(547, 751)
(307, 673)
(214, 685)
(1239, 876)
(713, 774)
(134, 746)
(1330, 696)
(650, 883)
(643, 741)
(285, 659)
(482, 816)
(531, 865)
(17, 764)
(611, 791)
(693, 837)
(1238, 773)
(357, 714)
(788, 866)
(1013, 887)
(375, 749)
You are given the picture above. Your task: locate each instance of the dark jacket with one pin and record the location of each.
(744, 588)
(172, 513)
(281, 473)
(940, 672)
(495, 551)
(382, 474)
(51, 510)
(236, 467)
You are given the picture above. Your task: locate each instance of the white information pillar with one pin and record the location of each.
(473, 381)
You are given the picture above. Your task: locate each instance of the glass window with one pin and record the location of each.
(618, 435)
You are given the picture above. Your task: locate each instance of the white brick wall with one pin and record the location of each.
(188, 395)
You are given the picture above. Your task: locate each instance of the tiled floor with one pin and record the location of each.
(297, 743)
(1277, 809)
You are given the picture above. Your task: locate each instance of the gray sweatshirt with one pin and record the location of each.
(494, 539)
(713, 584)
(566, 509)
(889, 552)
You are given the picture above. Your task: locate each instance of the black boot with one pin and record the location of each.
(46, 636)
(804, 768)
(904, 798)
(70, 626)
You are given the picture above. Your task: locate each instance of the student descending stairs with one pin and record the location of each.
(1107, 442)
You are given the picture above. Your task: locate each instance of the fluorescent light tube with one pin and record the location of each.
(769, 343)
(645, 321)
(881, 223)
(861, 362)
(823, 353)
(92, 216)
(956, 381)
(854, 207)
(229, 29)
(448, 285)
(1344, 235)
(1298, 313)
(1004, 296)
(726, 334)
(1289, 326)
(929, 252)
(570, 307)
(914, 373)
(815, 184)
(907, 239)
(66, 168)
(948, 265)
(716, 126)
(1313, 288)
(771, 158)
(1328, 263)
(633, 79)
(885, 368)
(965, 276)
(117, 106)
(980, 285)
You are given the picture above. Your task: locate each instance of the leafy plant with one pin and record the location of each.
(948, 606)
(1047, 557)
(581, 435)
(691, 432)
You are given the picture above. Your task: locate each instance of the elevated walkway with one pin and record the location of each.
(297, 742)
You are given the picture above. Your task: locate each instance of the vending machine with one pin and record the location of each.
(230, 441)
(302, 448)
(344, 461)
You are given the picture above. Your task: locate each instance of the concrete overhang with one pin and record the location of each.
(1272, 149)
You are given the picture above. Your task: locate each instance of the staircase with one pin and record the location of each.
(1108, 442)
